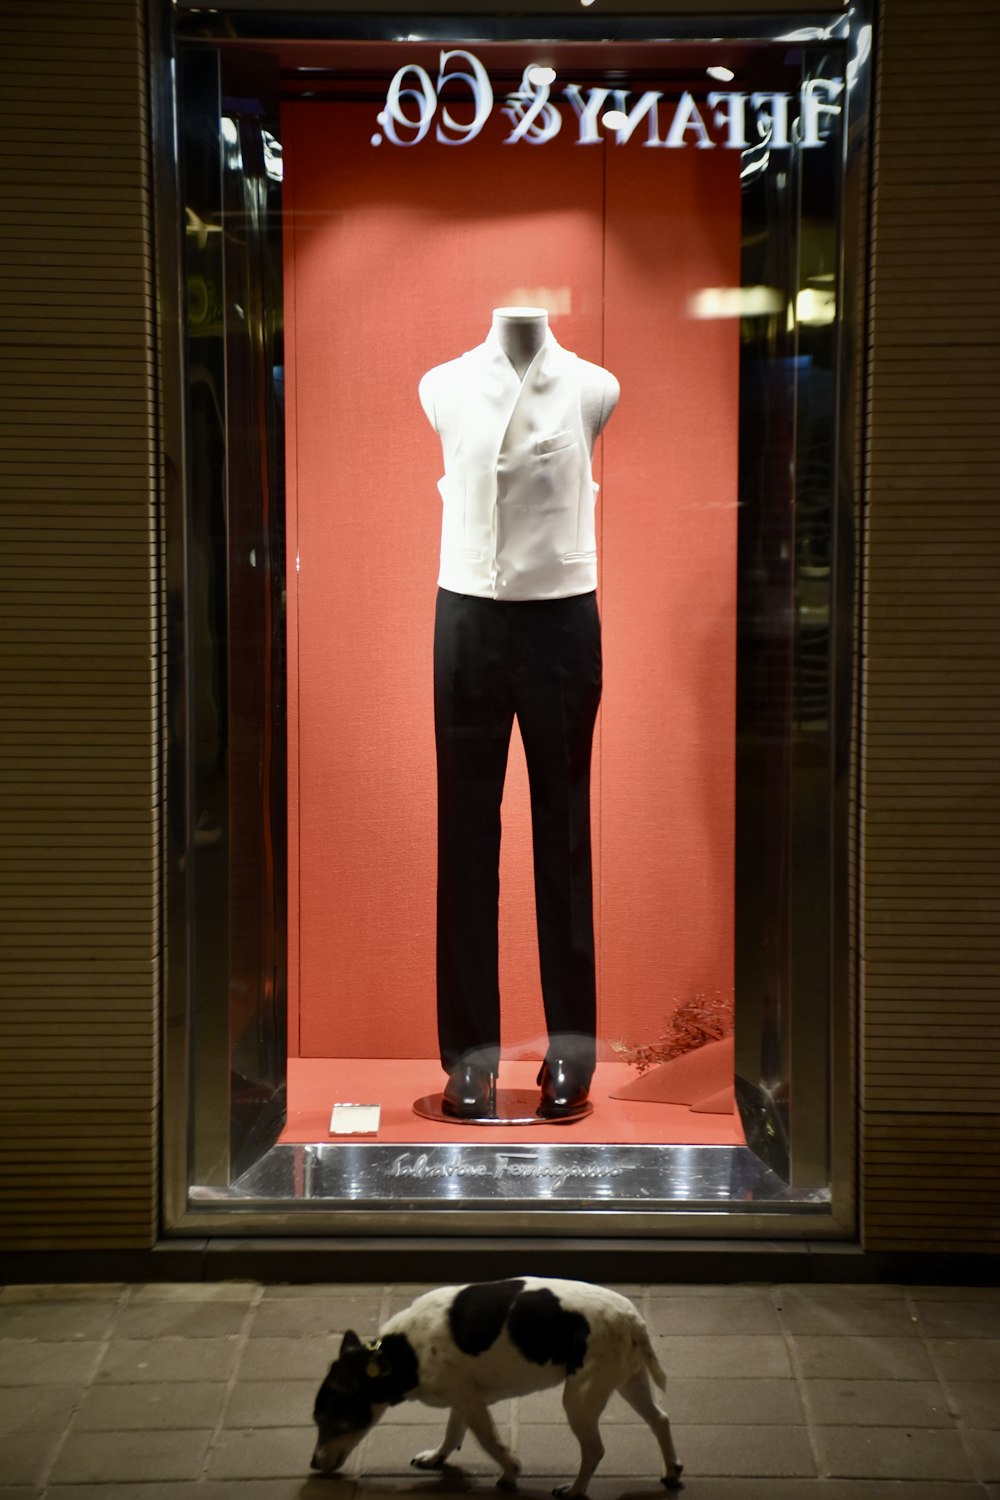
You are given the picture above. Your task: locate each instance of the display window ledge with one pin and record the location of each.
(597, 1191)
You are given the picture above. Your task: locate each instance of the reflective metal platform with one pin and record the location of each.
(513, 1107)
(397, 1177)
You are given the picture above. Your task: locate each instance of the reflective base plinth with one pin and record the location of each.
(478, 1175)
(513, 1107)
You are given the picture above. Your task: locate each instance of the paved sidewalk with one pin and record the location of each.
(204, 1392)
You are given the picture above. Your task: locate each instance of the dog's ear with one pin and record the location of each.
(349, 1342)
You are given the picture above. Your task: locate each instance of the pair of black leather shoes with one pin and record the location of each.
(565, 1089)
(470, 1093)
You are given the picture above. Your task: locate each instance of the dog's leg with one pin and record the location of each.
(583, 1404)
(638, 1392)
(481, 1426)
(433, 1458)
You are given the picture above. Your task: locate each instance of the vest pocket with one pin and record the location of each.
(564, 439)
(455, 520)
(575, 557)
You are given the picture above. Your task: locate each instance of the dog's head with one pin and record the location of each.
(352, 1398)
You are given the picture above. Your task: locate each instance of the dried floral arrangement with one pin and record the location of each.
(704, 1018)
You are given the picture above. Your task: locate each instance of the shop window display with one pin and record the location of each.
(548, 333)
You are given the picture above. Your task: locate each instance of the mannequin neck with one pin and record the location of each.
(521, 333)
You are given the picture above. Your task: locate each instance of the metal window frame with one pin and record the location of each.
(247, 1209)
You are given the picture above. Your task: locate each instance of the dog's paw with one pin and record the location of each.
(431, 1458)
(565, 1490)
(508, 1479)
(672, 1479)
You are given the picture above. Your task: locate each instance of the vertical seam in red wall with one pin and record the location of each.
(289, 208)
(298, 687)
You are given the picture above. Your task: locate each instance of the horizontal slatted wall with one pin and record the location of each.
(79, 886)
(931, 766)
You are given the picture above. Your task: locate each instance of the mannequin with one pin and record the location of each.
(516, 633)
(518, 418)
(520, 332)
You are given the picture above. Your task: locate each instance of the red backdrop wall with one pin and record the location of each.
(394, 260)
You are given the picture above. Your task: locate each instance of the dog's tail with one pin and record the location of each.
(649, 1359)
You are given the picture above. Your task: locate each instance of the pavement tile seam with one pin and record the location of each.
(795, 1364)
(105, 1344)
(970, 1318)
(79, 1291)
(982, 1449)
(818, 1311)
(861, 1357)
(289, 1291)
(197, 1291)
(895, 1453)
(882, 1403)
(242, 1340)
(167, 1406)
(929, 1345)
(982, 1396)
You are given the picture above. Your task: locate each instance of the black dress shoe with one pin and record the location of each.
(565, 1089)
(470, 1093)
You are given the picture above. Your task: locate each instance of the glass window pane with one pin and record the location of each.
(399, 605)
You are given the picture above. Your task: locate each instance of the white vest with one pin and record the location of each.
(518, 518)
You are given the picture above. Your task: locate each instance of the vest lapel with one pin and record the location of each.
(498, 397)
(539, 402)
(490, 400)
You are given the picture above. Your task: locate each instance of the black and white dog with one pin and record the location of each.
(466, 1348)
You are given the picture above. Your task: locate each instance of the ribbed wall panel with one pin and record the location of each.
(79, 813)
(931, 762)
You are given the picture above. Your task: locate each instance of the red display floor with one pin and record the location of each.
(315, 1084)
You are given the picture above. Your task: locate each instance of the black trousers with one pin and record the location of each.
(540, 660)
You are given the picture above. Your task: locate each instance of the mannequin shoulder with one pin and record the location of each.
(438, 390)
(599, 395)
(599, 383)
